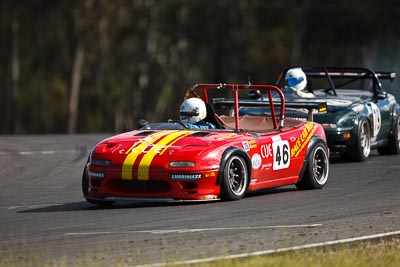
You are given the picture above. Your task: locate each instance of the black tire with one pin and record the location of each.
(316, 173)
(393, 145)
(85, 182)
(235, 179)
(362, 145)
(85, 191)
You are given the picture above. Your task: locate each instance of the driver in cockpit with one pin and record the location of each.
(296, 82)
(193, 112)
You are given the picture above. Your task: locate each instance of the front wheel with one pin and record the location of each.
(362, 147)
(85, 191)
(235, 179)
(85, 182)
(317, 170)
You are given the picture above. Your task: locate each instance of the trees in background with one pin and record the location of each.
(99, 66)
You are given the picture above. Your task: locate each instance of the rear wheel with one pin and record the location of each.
(393, 145)
(235, 180)
(85, 191)
(362, 147)
(317, 170)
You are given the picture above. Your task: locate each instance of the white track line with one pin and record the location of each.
(30, 206)
(271, 251)
(46, 152)
(180, 231)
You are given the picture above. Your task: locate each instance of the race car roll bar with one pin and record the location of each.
(235, 89)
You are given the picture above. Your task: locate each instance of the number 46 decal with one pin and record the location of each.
(281, 154)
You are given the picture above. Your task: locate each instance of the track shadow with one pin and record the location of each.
(85, 206)
(271, 191)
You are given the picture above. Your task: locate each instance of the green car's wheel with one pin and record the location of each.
(362, 144)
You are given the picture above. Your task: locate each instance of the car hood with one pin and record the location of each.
(165, 144)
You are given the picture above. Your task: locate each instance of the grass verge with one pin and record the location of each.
(386, 253)
(363, 254)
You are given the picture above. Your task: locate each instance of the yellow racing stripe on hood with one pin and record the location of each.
(144, 166)
(139, 147)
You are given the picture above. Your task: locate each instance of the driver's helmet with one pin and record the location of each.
(296, 78)
(193, 110)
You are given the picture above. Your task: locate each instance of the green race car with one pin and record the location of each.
(360, 115)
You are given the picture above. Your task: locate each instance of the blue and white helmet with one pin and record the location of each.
(193, 110)
(296, 78)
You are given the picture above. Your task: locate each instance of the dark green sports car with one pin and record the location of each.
(360, 115)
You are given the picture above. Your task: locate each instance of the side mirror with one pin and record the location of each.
(381, 95)
(141, 123)
(255, 94)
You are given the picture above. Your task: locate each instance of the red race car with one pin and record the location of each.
(169, 162)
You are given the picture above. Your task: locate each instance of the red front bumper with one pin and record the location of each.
(160, 186)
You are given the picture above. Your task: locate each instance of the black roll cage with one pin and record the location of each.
(333, 72)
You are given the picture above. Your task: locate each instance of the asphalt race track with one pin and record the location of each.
(43, 214)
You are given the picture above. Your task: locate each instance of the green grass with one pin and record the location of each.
(364, 254)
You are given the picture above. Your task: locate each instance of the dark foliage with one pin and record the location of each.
(139, 57)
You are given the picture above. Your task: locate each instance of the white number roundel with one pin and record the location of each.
(376, 114)
(281, 155)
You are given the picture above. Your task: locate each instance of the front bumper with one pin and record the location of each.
(340, 140)
(152, 200)
(159, 187)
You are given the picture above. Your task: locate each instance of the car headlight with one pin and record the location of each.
(329, 125)
(181, 164)
(358, 108)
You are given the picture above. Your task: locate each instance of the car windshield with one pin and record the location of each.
(163, 126)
